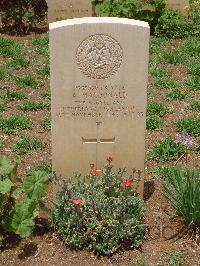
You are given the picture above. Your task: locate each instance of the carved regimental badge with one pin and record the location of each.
(99, 56)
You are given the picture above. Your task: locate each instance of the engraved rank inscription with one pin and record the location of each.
(99, 56)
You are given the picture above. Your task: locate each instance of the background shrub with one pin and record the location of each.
(22, 14)
(172, 25)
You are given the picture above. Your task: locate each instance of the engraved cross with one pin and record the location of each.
(98, 141)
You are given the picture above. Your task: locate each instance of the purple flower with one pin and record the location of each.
(184, 139)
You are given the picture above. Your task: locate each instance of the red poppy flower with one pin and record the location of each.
(78, 202)
(109, 159)
(127, 184)
(93, 172)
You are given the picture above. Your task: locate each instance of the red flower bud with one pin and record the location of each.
(127, 184)
(93, 172)
(78, 202)
(91, 165)
(109, 159)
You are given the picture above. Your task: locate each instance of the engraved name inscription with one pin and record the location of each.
(99, 102)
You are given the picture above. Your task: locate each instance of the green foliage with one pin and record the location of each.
(182, 190)
(26, 144)
(11, 95)
(194, 106)
(46, 123)
(156, 108)
(44, 71)
(46, 95)
(172, 25)
(100, 212)
(175, 258)
(14, 124)
(42, 45)
(191, 47)
(164, 172)
(20, 201)
(3, 74)
(159, 72)
(9, 48)
(175, 95)
(190, 126)
(28, 81)
(3, 108)
(19, 62)
(140, 263)
(174, 57)
(154, 123)
(159, 42)
(45, 167)
(34, 106)
(165, 83)
(193, 83)
(194, 68)
(194, 16)
(1, 143)
(167, 150)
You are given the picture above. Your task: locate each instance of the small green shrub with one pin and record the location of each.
(14, 124)
(3, 74)
(157, 43)
(165, 83)
(11, 95)
(34, 106)
(46, 95)
(9, 48)
(164, 172)
(19, 62)
(28, 81)
(194, 68)
(44, 71)
(26, 144)
(175, 95)
(156, 108)
(194, 106)
(46, 123)
(45, 167)
(167, 150)
(172, 25)
(21, 200)
(154, 123)
(175, 57)
(191, 47)
(194, 16)
(42, 45)
(174, 258)
(182, 190)
(3, 107)
(101, 211)
(190, 126)
(193, 83)
(159, 72)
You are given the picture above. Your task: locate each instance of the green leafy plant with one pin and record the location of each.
(44, 71)
(26, 144)
(11, 95)
(20, 200)
(175, 95)
(154, 123)
(194, 106)
(45, 167)
(167, 150)
(194, 68)
(14, 124)
(190, 126)
(174, 258)
(42, 45)
(159, 42)
(182, 190)
(165, 83)
(46, 95)
(3, 108)
(159, 72)
(46, 123)
(156, 108)
(9, 48)
(174, 57)
(28, 81)
(172, 25)
(19, 62)
(34, 106)
(193, 83)
(101, 211)
(3, 74)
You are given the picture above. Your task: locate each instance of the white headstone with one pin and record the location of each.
(99, 71)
